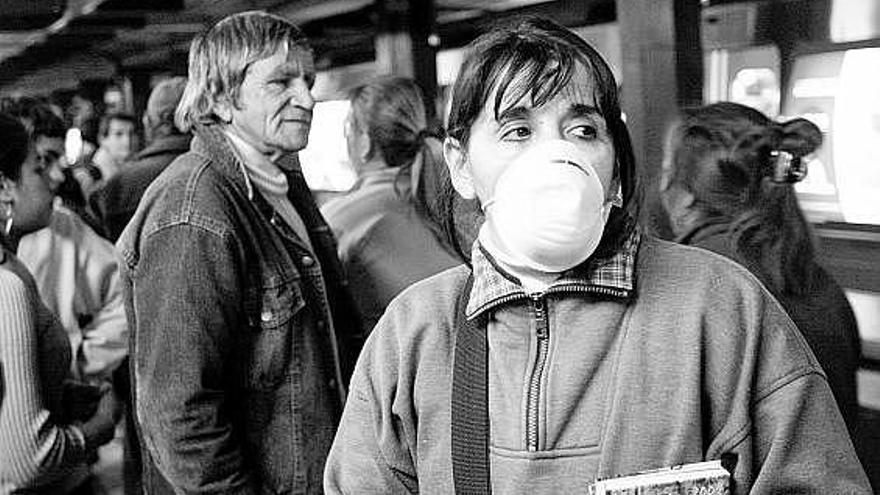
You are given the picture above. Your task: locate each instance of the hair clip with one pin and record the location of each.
(787, 168)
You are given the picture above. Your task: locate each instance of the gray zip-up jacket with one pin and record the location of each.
(697, 360)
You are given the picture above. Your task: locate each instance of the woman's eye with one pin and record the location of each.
(516, 133)
(585, 131)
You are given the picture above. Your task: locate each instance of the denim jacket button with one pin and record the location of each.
(266, 316)
(320, 324)
(332, 383)
(308, 261)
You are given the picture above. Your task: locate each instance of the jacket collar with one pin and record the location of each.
(612, 276)
(174, 143)
(377, 178)
(707, 228)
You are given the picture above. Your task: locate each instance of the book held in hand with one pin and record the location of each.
(699, 478)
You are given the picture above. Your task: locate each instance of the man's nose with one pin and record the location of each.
(302, 96)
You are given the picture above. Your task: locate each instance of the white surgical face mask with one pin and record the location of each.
(547, 211)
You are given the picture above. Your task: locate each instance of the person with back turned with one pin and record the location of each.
(115, 202)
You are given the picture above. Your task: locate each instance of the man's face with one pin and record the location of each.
(119, 141)
(50, 152)
(274, 108)
(32, 195)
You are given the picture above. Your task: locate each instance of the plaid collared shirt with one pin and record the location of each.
(611, 276)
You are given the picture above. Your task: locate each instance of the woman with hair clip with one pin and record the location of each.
(49, 426)
(389, 237)
(574, 347)
(727, 182)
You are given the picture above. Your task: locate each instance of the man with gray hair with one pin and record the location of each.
(244, 333)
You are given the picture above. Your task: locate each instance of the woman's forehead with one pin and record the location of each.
(579, 89)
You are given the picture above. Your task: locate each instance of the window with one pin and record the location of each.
(324, 161)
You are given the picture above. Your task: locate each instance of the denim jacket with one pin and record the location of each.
(242, 337)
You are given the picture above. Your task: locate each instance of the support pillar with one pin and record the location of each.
(406, 42)
(662, 69)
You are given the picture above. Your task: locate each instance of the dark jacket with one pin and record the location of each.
(239, 357)
(115, 203)
(823, 316)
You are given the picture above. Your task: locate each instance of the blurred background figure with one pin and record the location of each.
(117, 140)
(50, 133)
(388, 236)
(75, 268)
(727, 186)
(50, 426)
(116, 201)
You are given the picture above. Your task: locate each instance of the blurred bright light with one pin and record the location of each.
(73, 145)
(324, 161)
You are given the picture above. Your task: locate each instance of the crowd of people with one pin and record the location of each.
(398, 339)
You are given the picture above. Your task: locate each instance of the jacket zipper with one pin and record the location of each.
(534, 393)
(542, 356)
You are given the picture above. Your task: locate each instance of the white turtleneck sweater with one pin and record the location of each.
(267, 177)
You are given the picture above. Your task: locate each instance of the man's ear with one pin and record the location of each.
(457, 163)
(223, 109)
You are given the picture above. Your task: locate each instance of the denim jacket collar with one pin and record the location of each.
(612, 276)
(210, 142)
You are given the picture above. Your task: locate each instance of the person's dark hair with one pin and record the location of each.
(104, 125)
(36, 115)
(391, 110)
(14, 146)
(727, 155)
(536, 58)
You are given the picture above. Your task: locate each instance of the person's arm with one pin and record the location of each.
(32, 447)
(105, 336)
(186, 297)
(791, 438)
(803, 442)
(370, 453)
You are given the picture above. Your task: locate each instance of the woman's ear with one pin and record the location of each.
(363, 146)
(457, 163)
(6, 190)
(681, 214)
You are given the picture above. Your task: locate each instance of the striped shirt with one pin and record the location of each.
(37, 451)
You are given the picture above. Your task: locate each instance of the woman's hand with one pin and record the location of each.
(99, 428)
(80, 399)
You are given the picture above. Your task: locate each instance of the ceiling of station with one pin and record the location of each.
(100, 38)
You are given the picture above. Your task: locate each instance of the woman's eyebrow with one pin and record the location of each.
(517, 112)
(583, 110)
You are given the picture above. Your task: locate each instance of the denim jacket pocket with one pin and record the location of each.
(272, 312)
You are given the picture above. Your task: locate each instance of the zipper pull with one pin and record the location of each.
(540, 314)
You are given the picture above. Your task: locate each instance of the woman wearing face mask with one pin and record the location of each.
(727, 187)
(574, 347)
(388, 236)
(49, 427)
